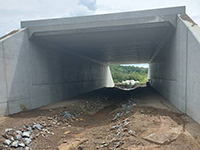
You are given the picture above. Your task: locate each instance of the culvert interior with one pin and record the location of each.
(51, 60)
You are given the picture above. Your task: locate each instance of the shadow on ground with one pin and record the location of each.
(109, 118)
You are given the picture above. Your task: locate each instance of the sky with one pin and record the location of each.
(141, 65)
(137, 65)
(14, 11)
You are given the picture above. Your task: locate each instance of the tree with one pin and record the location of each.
(122, 73)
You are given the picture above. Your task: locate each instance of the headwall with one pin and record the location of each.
(54, 59)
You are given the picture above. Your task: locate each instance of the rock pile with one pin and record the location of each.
(64, 118)
(121, 127)
(23, 137)
(117, 132)
(128, 106)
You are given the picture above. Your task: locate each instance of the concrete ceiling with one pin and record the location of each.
(135, 45)
(133, 39)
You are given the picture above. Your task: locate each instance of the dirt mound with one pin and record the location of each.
(105, 119)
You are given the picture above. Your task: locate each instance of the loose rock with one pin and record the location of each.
(18, 137)
(15, 144)
(27, 141)
(118, 115)
(9, 130)
(37, 126)
(26, 134)
(7, 142)
(21, 144)
(19, 132)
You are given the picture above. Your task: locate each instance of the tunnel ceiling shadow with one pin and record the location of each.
(133, 44)
(133, 37)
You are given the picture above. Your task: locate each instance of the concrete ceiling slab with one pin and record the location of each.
(133, 37)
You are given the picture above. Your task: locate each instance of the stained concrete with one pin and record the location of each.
(52, 60)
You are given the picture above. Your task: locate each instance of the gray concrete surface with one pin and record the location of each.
(33, 75)
(52, 60)
(193, 71)
(175, 71)
(168, 71)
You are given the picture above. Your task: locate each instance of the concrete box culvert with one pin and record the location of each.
(48, 60)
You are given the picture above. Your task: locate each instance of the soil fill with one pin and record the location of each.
(102, 113)
(105, 119)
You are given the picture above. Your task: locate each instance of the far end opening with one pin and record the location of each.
(129, 75)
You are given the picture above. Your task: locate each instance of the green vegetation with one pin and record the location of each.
(122, 73)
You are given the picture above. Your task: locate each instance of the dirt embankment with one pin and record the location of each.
(105, 119)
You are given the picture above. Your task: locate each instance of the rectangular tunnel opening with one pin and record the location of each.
(130, 75)
(66, 69)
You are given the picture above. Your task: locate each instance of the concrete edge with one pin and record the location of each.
(12, 33)
(112, 16)
(191, 25)
(98, 26)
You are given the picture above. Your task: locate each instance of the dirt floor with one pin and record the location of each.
(106, 119)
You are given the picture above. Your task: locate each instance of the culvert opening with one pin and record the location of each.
(129, 75)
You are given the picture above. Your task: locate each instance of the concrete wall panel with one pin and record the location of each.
(40, 95)
(15, 106)
(18, 78)
(81, 75)
(168, 71)
(3, 99)
(2, 77)
(56, 92)
(39, 64)
(54, 66)
(17, 65)
(193, 75)
(17, 71)
(175, 71)
(3, 108)
(47, 86)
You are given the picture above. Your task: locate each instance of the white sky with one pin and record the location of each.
(138, 65)
(14, 11)
(142, 65)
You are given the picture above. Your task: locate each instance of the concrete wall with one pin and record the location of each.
(82, 75)
(32, 75)
(3, 100)
(35, 73)
(193, 71)
(175, 71)
(15, 73)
